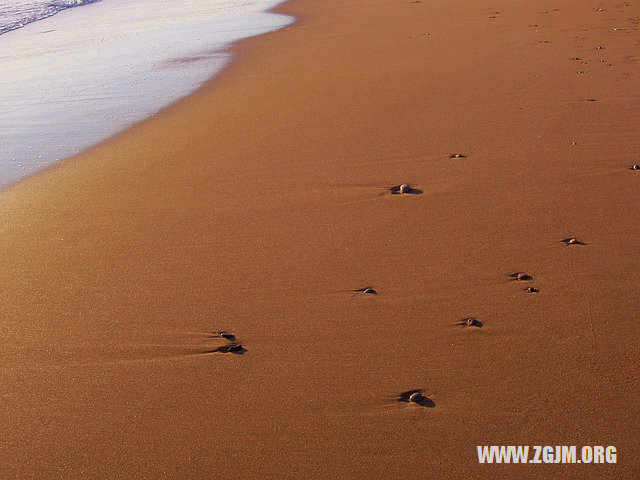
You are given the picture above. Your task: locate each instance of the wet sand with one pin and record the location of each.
(260, 204)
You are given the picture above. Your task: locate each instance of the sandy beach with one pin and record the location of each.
(260, 204)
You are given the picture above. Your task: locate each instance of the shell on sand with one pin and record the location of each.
(531, 290)
(523, 276)
(635, 167)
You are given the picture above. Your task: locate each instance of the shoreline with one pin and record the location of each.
(68, 118)
(260, 203)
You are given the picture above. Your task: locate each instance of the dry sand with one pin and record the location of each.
(257, 205)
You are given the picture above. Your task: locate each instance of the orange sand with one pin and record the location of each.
(258, 204)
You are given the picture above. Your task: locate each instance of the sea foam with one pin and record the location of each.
(75, 78)
(17, 14)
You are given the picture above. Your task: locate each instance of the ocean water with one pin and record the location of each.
(71, 77)
(16, 14)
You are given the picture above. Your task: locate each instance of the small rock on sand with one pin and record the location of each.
(231, 348)
(572, 241)
(367, 290)
(228, 336)
(470, 322)
(416, 397)
(522, 276)
(404, 188)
